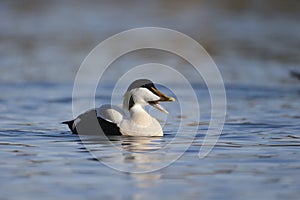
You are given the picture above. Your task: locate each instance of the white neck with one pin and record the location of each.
(139, 115)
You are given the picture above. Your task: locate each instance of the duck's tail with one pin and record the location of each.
(69, 123)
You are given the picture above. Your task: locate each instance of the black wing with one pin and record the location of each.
(89, 124)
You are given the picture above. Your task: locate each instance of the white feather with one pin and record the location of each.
(110, 113)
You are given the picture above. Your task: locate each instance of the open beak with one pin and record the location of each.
(163, 97)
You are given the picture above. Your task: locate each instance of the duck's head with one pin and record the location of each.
(144, 92)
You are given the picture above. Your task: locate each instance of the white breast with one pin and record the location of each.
(140, 123)
(130, 128)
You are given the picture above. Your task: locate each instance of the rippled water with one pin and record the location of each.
(257, 155)
(255, 45)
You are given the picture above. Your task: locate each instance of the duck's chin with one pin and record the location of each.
(156, 105)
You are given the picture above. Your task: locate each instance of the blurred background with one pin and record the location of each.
(253, 42)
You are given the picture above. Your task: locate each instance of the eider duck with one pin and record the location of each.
(132, 120)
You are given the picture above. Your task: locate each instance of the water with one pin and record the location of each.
(257, 154)
(256, 157)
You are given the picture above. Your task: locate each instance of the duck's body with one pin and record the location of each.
(132, 120)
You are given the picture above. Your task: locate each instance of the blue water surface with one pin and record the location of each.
(255, 45)
(257, 155)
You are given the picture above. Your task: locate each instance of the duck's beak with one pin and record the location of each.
(163, 97)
